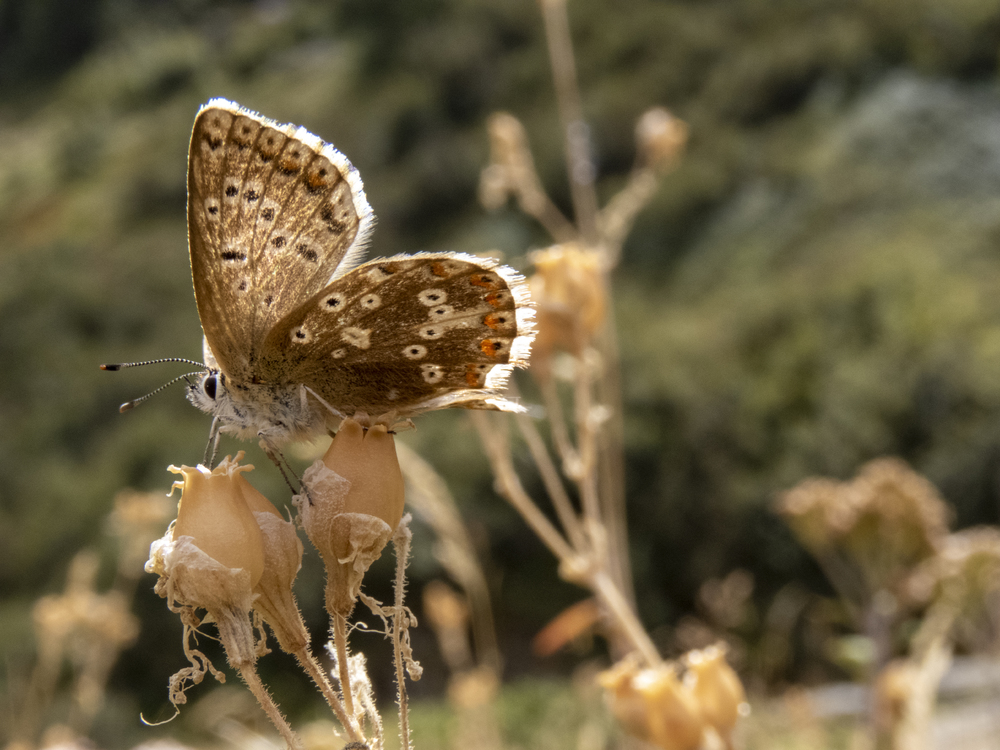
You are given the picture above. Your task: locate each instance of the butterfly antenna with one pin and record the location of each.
(128, 405)
(123, 365)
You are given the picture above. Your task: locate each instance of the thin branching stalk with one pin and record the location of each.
(509, 484)
(552, 481)
(577, 138)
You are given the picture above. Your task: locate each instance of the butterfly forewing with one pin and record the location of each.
(274, 214)
(396, 333)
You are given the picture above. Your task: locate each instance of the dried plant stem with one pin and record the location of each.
(317, 674)
(611, 459)
(535, 202)
(552, 481)
(586, 441)
(578, 159)
(618, 216)
(582, 563)
(339, 627)
(615, 603)
(249, 674)
(560, 432)
(509, 484)
(399, 623)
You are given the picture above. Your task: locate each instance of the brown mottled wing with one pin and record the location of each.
(273, 215)
(408, 334)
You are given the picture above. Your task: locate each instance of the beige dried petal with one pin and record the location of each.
(193, 578)
(213, 511)
(364, 537)
(275, 600)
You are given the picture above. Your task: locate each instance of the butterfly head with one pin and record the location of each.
(208, 392)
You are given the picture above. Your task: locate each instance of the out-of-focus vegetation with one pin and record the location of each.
(814, 286)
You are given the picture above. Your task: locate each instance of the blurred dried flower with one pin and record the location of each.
(660, 138)
(511, 165)
(716, 688)
(962, 585)
(448, 615)
(654, 705)
(885, 521)
(570, 298)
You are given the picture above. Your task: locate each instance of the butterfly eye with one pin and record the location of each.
(209, 385)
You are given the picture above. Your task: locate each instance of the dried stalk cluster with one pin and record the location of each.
(883, 541)
(231, 554)
(574, 361)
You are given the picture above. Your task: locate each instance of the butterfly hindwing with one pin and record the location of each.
(397, 333)
(274, 214)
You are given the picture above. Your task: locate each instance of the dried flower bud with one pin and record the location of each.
(569, 294)
(654, 705)
(716, 688)
(282, 561)
(660, 138)
(355, 503)
(213, 555)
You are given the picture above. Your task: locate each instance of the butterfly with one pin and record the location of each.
(299, 333)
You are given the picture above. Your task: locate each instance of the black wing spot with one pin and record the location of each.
(278, 241)
(233, 255)
(332, 223)
(307, 252)
(269, 300)
(213, 141)
(252, 195)
(231, 191)
(213, 210)
(267, 214)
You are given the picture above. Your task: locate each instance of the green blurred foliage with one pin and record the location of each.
(815, 285)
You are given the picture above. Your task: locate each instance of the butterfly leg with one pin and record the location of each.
(279, 460)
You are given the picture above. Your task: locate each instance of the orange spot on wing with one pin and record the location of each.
(437, 268)
(472, 376)
(495, 299)
(495, 320)
(484, 280)
(490, 347)
(316, 181)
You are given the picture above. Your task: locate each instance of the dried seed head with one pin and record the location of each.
(355, 503)
(570, 299)
(660, 138)
(213, 554)
(654, 705)
(283, 550)
(716, 687)
(885, 521)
